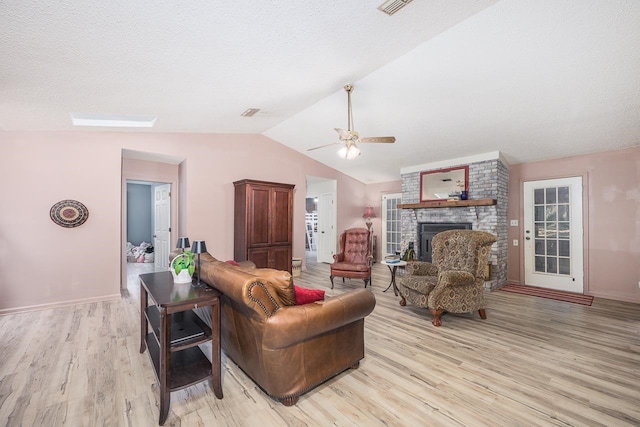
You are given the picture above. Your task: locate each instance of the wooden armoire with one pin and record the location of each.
(263, 223)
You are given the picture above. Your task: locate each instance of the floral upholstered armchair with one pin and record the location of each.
(455, 281)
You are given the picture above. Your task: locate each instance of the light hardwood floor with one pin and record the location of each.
(533, 362)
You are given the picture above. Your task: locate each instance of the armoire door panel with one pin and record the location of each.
(280, 258)
(281, 217)
(259, 217)
(260, 257)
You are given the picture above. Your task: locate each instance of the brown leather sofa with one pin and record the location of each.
(286, 349)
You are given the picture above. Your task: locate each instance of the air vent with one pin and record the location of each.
(250, 112)
(392, 6)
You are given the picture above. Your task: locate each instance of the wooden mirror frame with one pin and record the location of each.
(439, 184)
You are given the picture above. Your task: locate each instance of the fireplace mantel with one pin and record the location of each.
(448, 204)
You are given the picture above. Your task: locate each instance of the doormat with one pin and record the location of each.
(549, 294)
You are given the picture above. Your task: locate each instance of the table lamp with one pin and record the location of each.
(199, 247)
(183, 243)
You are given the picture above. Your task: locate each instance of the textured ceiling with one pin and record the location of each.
(448, 78)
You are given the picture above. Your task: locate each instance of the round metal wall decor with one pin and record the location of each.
(69, 213)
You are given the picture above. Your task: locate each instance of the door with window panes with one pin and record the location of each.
(391, 224)
(553, 242)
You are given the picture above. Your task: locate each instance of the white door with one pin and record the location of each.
(391, 224)
(162, 225)
(553, 239)
(326, 227)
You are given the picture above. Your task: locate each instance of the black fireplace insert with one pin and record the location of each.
(426, 231)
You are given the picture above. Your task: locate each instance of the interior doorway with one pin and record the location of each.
(148, 226)
(311, 225)
(324, 193)
(152, 170)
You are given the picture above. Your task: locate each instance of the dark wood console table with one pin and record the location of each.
(176, 332)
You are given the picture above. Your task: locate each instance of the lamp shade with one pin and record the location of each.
(368, 213)
(183, 243)
(199, 247)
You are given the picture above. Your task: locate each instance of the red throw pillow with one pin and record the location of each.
(306, 296)
(232, 262)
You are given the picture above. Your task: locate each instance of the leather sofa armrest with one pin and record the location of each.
(338, 257)
(294, 324)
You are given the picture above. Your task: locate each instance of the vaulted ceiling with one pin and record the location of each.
(448, 78)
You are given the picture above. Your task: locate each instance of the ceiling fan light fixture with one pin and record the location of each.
(349, 152)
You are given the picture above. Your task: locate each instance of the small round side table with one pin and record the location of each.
(393, 267)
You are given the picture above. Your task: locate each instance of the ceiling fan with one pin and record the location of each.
(350, 137)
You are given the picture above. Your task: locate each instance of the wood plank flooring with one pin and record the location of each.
(533, 362)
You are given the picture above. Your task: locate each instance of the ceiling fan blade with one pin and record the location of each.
(326, 145)
(387, 139)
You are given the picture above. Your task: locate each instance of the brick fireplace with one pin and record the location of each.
(488, 179)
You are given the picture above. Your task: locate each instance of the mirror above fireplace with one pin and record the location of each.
(443, 183)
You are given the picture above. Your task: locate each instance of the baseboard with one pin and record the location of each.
(27, 308)
(615, 297)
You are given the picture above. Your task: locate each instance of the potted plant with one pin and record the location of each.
(183, 267)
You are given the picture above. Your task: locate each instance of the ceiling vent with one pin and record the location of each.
(249, 112)
(392, 6)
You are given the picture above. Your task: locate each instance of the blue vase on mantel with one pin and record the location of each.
(463, 195)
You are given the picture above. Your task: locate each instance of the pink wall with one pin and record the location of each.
(611, 218)
(81, 264)
(41, 262)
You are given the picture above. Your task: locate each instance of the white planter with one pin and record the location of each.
(183, 277)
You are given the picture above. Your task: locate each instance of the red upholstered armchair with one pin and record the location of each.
(354, 259)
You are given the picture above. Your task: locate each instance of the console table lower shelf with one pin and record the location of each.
(175, 333)
(189, 365)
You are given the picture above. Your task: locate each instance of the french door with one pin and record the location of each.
(553, 240)
(391, 224)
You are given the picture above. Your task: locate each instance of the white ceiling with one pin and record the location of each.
(448, 78)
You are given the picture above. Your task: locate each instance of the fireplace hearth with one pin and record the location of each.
(426, 231)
